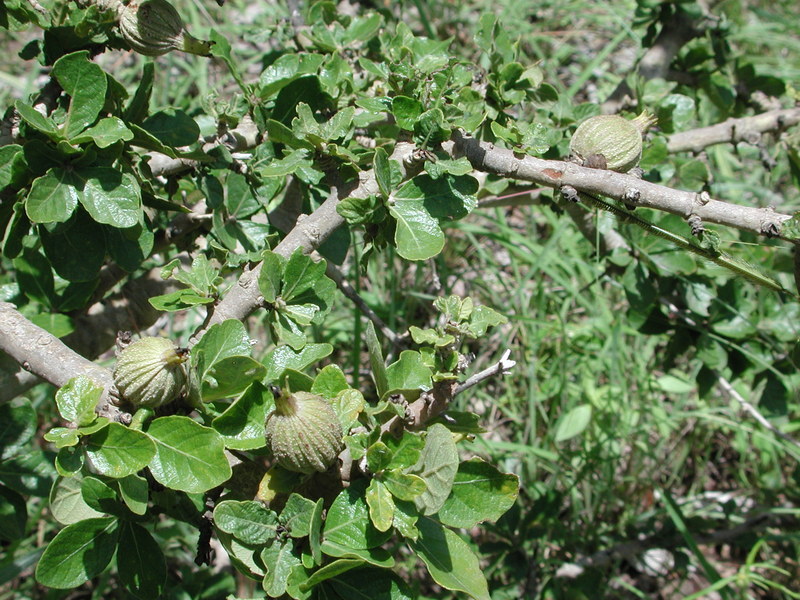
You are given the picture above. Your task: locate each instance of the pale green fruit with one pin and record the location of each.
(304, 432)
(617, 139)
(154, 27)
(150, 372)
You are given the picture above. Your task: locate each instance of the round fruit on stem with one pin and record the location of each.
(304, 432)
(616, 139)
(154, 27)
(150, 372)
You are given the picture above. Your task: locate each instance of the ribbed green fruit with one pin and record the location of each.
(150, 372)
(154, 28)
(304, 432)
(617, 139)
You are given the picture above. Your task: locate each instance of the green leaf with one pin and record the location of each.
(480, 493)
(30, 472)
(573, 422)
(230, 376)
(449, 559)
(285, 357)
(437, 466)
(100, 496)
(66, 501)
(78, 553)
(77, 399)
(378, 456)
(139, 105)
(52, 197)
(280, 559)
(376, 360)
(242, 423)
(370, 584)
(110, 196)
(329, 382)
(18, 423)
(109, 130)
(348, 404)
(141, 564)
(348, 525)
(300, 275)
(247, 521)
(406, 111)
(134, 492)
(383, 172)
(13, 515)
(418, 235)
(408, 373)
(37, 120)
(76, 249)
(381, 505)
(297, 514)
(179, 300)
(35, 277)
(86, 84)
(117, 451)
(332, 569)
(189, 457)
(403, 485)
(62, 437)
(482, 318)
(172, 127)
(222, 341)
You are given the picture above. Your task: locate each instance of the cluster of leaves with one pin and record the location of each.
(114, 482)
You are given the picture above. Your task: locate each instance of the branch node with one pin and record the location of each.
(770, 226)
(696, 223)
(569, 193)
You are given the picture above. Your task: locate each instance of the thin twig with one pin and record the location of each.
(501, 367)
(753, 411)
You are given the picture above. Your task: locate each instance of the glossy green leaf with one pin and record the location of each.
(76, 249)
(285, 357)
(109, 130)
(381, 505)
(437, 466)
(37, 120)
(409, 372)
(52, 197)
(403, 485)
(230, 376)
(480, 493)
(172, 127)
(134, 492)
(242, 423)
(370, 584)
(86, 85)
(348, 524)
(189, 457)
(248, 521)
(418, 235)
(300, 274)
(110, 196)
(77, 399)
(406, 111)
(449, 559)
(117, 451)
(101, 497)
(18, 423)
(329, 382)
(141, 564)
(78, 552)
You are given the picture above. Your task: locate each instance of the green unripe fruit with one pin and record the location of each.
(304, 432)
(616, 139)
(154, 28)
(150, 372)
